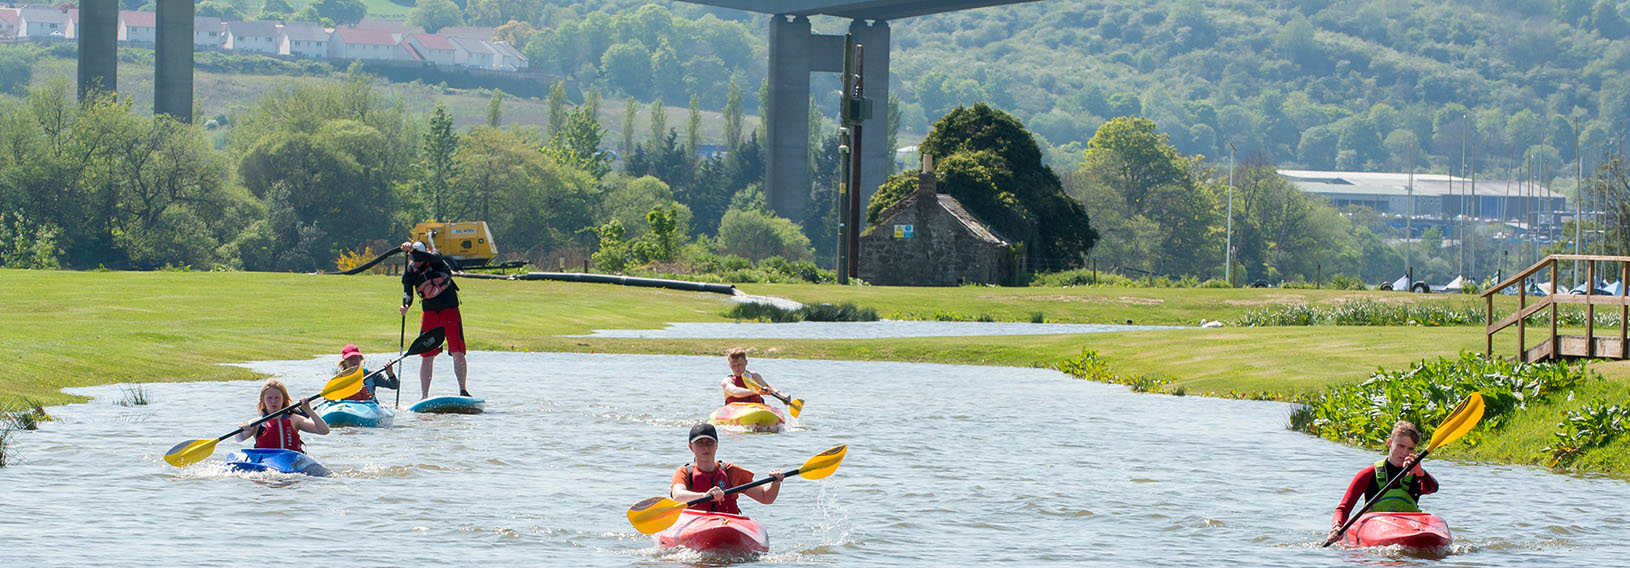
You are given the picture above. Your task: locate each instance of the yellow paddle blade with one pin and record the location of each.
(824, 463)
(190, 452)
(796, 406)
(1459, 422)
(344, 384)
(654, 514)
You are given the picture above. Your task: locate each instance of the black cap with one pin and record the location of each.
(703, 431)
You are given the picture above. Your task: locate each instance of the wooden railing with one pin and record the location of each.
(1558, 346)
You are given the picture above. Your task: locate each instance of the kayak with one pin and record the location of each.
(1416, 531)
(365, 413)
(282, 461)
(450, 405)
(753, 415)
(715, 533)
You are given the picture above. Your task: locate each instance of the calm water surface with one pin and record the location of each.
(948, 465)
(861, 329)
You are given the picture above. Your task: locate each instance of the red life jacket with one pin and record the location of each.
(701, 481)
(279, 434)
(367, 390)
(737, 380)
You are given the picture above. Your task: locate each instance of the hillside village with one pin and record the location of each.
(373, 41)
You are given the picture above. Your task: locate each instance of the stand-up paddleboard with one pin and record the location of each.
(282, 461)
(450, 405)
(365, 413)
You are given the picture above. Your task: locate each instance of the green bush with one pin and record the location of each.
(1594, 425)
(813, 312)
(1090, 366)
(1364, 312)
(1427, 392)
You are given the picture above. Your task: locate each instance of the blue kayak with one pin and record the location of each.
(365, 413)
(282, 461)
(450, 405)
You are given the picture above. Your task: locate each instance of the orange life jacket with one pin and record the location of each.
(701, 481)
(279, 434)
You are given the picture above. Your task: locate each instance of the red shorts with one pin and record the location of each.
(454, 326)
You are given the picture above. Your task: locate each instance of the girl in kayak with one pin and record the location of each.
(735, 385)
(1400, 459)
(706, 476)
(283, 432)
(351, 358)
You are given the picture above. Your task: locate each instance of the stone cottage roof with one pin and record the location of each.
(974, 226)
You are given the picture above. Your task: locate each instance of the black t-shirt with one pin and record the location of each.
(418, 273)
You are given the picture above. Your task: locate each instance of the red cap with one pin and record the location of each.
(350, 350)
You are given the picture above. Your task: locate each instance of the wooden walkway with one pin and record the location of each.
(1556, 346)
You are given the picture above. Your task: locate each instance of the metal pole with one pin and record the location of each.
(854, 164)
(844, 156)
(1578, 199)
(1228, 247)
(1409, 214)
(1460, 205)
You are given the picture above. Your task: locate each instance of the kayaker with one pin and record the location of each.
(706, 476)
(431, 278)
(735, 386)
(351, 358)
(282, 433)
(1403, 498)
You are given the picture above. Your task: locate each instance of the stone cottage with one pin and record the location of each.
(928, 239)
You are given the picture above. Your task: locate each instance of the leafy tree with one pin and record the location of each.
(557, 106)
(693, 128)
(757, 235)
(630, 110)
(659, 123)
(341, 11)
(437, 168)
(627, 200)
(1608, 21)
(433, 15)
(577, 143)
(732, 118)
(1128, 159)
(276, 6)
(495, 108)
(991, 164)
(16, 70)
(516, 33)
(627, 67)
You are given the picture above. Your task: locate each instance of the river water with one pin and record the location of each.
(881, 329)
(947, 465)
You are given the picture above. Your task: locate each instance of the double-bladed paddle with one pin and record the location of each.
(1459, 422)
(345, 384)
(795, 406)
(658, 513)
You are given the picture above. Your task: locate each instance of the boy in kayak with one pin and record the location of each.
(283, 433)
(1400, 499)
(431, 277)
(351, 358)
(735, 385)
(706, 476)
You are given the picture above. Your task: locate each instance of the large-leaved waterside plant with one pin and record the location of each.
(1425, 393)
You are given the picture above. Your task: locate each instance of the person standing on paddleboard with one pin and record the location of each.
(431, 278)
(736, 385)
(283, 432)
(707, 476)
(351, 358)
(1405, 497)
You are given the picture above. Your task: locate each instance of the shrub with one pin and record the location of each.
(1592, 426)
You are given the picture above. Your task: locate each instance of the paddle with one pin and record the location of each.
(407, 263)
(795, 406)
(1459, 422)
(343, 385)
(657, 513)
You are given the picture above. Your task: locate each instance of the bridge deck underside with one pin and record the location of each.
(856, 9)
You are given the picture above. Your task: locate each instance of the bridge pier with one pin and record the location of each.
(172, 60)
(98, 46)
(794, 54)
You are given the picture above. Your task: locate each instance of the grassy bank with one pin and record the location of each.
(68, 329)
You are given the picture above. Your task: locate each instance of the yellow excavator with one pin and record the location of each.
(466, 245)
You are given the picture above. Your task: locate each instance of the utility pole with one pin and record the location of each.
(853, 109)
(1578, 199)
(1460, 205)
(1228, 247)
(1409, 217)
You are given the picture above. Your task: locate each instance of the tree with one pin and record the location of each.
(659, 123)
(627, 67)
(433, 15)
(991, 164)
(757, 235)
(630, 111)
(693, 128)
(495, 108)
(16, 70)
(732, 118)
(1132, 172)
(1608, 21)
(437, 167)
(341, 11)
(577, 143)
(557, 106)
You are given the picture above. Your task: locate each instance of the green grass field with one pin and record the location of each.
(68, 329)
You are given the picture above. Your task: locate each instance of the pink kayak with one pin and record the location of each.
(1415, 531)
(715, 533)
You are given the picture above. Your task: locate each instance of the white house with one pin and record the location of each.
(138, 28)
(473, 53)
(303, 39)
(509, 58)
(251, 37)
(9, 20)
(363, 44)
(433, 48)
(207, 33)
(479, 33)
(42, 22)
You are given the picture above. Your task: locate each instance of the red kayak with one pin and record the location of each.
(1415, 531)
(715, 533)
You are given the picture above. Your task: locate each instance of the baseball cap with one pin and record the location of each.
(418, 245)
(700, 431)
(350, 350)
